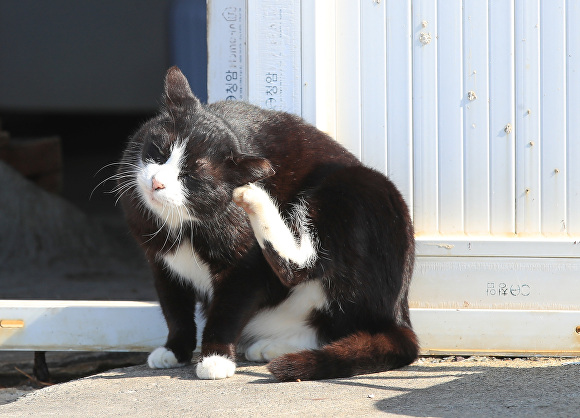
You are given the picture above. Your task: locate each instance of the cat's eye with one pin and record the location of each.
(155, 152)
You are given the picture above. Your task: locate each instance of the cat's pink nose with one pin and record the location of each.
(157, 185)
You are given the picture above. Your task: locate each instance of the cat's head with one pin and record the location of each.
(187, 160)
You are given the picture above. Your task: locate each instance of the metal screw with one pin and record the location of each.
(508, 128)
(471, 96)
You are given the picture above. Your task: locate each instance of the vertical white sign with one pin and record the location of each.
(226, 39)
(274, 52)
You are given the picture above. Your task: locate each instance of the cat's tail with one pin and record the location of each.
(359, 353)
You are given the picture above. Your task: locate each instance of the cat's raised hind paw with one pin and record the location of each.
(249, 198)
(162, 358)
(215, 367)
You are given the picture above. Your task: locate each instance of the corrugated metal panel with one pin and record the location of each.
(450, 81)
(572, 119)
(425, 139)
(400, 97)
(492, 86)
(501, 117)
(553, 117)
(373, 64)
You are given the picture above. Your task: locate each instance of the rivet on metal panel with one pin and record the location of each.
(529, 111)
(528, 190)
(11, 323)
(508, 128)
(556, 170)
(425, 38)
(424, 23)
(377, 1)
(531, 143)
(471, 96)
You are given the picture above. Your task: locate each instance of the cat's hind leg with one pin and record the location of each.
(289, 247)
(285, 328)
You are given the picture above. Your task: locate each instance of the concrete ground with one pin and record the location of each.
(474, 387)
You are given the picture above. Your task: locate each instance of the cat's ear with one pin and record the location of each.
(248, 169)
(177, 91)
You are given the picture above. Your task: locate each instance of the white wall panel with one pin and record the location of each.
(348, 75)
(573, 117)
(425, 165)
(553, 116)
(476, 120)
(450, 116)
(501, 117)
(400, 97)
(373, 84)
(527, 127)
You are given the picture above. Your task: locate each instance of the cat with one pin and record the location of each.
(299, 255)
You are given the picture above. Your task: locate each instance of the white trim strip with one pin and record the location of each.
(139, 326)
(497, 332)
(482, 246)
(82, 325)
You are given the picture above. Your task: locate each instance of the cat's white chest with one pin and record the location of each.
(187, 266)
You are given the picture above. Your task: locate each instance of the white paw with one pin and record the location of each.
(249, 198)
(215, 367)
(162, 358)
(268, 350)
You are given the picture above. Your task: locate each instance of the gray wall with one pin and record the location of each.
(82, 55)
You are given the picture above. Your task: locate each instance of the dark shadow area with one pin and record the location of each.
(91, 145)
(490, 391)
(16, 368)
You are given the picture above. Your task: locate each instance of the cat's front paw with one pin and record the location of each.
(162, 358)
(215, 367)
(248, 198)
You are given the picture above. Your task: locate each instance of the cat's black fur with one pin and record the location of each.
(363, 230)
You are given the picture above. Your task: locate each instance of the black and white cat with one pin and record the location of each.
(299, 254)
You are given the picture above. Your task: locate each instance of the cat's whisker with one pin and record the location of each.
(168, 233)
(116, 176)
(111, 178)
(115, 163)
(122, 189)
(132, 187)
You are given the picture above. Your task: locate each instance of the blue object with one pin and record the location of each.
(188, 42)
